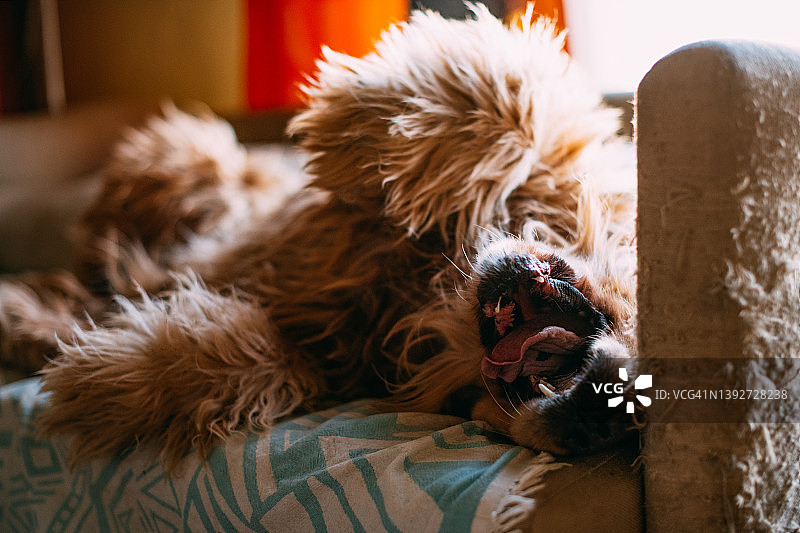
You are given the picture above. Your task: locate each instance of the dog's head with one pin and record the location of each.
(534, 316)
(539, 313)
(455, 125)
(550, 326)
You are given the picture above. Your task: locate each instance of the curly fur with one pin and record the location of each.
(232, 296)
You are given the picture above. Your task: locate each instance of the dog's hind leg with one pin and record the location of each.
(36, 310)
(173, 374)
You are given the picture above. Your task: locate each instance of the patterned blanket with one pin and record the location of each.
(343, 469)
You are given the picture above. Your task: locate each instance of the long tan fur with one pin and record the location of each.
(237, 297)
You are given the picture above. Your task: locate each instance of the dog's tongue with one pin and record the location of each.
(516, 354)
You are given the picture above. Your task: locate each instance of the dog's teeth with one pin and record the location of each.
(547, 391)
(539, 279)
(543, 386)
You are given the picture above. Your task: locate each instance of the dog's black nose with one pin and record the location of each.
(503, 275)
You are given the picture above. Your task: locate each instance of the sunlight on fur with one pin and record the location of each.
(455, 245)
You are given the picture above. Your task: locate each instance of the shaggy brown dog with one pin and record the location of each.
(456, 243)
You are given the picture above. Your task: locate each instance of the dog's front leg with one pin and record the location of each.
(580, 419)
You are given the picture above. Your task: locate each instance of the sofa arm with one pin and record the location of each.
(48, 167)
(719, 245)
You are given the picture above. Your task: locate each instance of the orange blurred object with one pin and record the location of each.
(284, 39)
(552, 9)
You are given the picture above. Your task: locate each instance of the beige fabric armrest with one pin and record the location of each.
(719, 245)
(47, 178)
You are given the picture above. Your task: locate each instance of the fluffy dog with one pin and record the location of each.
(454, 245)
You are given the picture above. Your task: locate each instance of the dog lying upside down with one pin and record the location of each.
(453, 247)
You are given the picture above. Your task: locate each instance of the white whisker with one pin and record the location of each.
(522, 402)
(493, 232)
(457, 290)
(466, 276)
(467, 257)
(495, 399)
(511, 402)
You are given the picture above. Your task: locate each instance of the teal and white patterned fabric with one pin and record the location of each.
(343, 469)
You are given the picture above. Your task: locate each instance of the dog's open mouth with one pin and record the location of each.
(536, 332)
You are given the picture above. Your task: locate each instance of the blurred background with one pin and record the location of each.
(75, 74)
(248, 56)
(234, 55)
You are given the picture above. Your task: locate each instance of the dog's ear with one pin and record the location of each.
(446, 119)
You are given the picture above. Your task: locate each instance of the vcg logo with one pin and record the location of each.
(645, 381)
